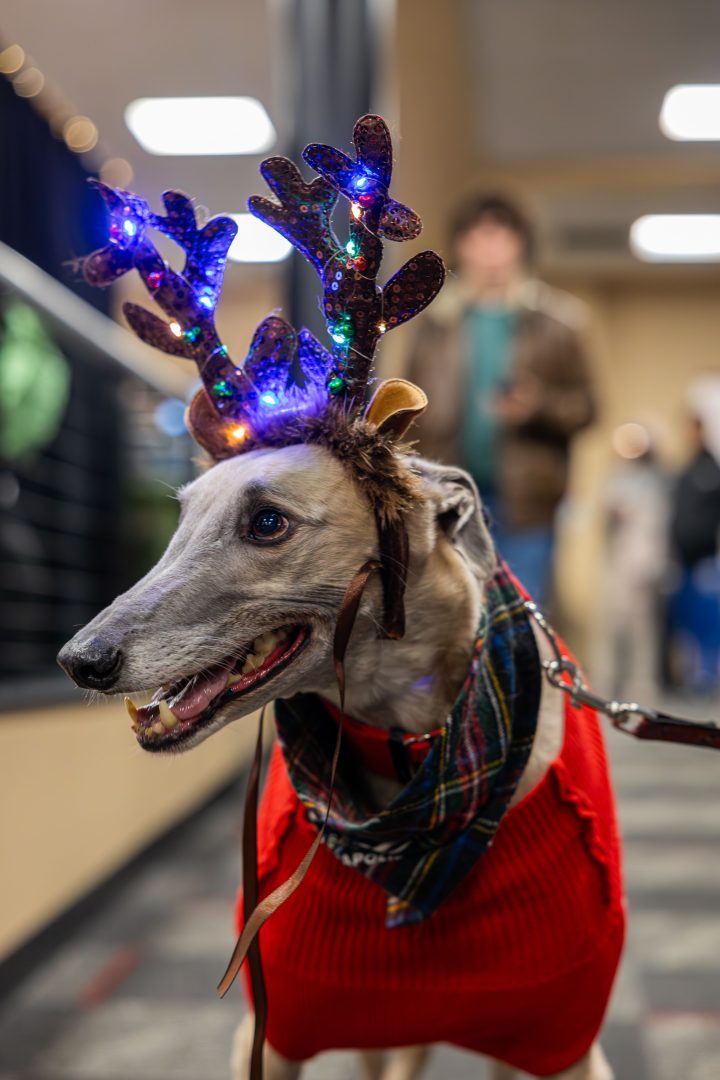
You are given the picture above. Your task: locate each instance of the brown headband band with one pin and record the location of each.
(394, 555)
(256, 914)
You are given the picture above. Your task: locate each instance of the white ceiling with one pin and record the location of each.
(552, 83)
(567, 93)
(561, 80)
(100, 55)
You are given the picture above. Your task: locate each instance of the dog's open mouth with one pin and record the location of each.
(179, 710)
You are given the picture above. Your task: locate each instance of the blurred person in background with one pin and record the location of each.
(637, 512)
(500, 357)
(694, 606)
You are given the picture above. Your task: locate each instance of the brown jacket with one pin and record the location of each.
(548, 357)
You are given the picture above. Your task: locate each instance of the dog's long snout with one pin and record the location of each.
(94, 664)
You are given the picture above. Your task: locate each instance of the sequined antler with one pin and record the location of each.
(357, 310)
(189, 298)
(285, 374)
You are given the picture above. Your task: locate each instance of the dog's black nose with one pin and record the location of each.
(94, 664)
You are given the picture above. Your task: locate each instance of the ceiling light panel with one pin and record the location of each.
(200, 126)
(691, 112)
(676, 238)
(257, 242)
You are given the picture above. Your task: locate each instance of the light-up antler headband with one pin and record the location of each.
(290, 388)
(284, 373)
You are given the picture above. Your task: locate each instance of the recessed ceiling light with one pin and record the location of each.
(80, 134)
(117, 172)
(29, 82)
(676, 237)
(200, 125)
(691, 112)
(11, 59)
(257, 242)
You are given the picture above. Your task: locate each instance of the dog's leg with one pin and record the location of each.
(275, 1067)
(372, 1063)
(594, 1066)
(406, 1063)
(498, 1070)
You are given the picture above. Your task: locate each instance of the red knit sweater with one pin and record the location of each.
(517, 963)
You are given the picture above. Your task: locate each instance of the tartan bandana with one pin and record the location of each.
(432, 834)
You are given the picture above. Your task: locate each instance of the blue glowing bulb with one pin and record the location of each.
(269, 399)
(129, 227)
(362, 182)
(338, 337)
(206, 300)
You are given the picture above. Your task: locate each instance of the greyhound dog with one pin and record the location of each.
(223, 600)
(250, 601)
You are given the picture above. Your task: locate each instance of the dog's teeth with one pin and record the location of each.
(261, 648)
(251, 663)
(158, 728)
(167, 717)
(133, 713)
(264, 645)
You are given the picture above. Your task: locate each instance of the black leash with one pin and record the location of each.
(627, 716)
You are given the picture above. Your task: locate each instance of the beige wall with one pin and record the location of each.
(650, 328)
(78, 798)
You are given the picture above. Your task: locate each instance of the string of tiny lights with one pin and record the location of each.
(78, 132)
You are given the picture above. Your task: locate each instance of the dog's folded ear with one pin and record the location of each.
(395, 405)
(459, 513)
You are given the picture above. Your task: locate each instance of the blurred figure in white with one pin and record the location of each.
(694, 605)
(637, 512)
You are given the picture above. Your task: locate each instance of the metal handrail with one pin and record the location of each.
(77, 322)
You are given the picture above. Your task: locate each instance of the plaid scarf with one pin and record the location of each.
(432, 834)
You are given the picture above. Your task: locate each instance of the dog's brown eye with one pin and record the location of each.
(268, 524)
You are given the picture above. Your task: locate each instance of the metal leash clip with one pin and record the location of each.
(627, 716)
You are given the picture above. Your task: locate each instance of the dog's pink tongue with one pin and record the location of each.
(198, 695)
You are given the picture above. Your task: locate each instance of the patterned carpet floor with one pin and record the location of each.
(132, 995)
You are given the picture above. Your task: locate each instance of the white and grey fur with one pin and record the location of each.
(214, 590)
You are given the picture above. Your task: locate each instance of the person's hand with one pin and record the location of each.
(519, 403)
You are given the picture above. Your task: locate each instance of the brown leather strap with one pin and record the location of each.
(256, 914)
(346, 620)
(271, 903)
(250, 899)
(663, 727)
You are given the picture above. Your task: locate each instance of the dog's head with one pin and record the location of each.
(242, 606)
(311, 480)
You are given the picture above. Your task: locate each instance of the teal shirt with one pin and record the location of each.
(489, 334)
